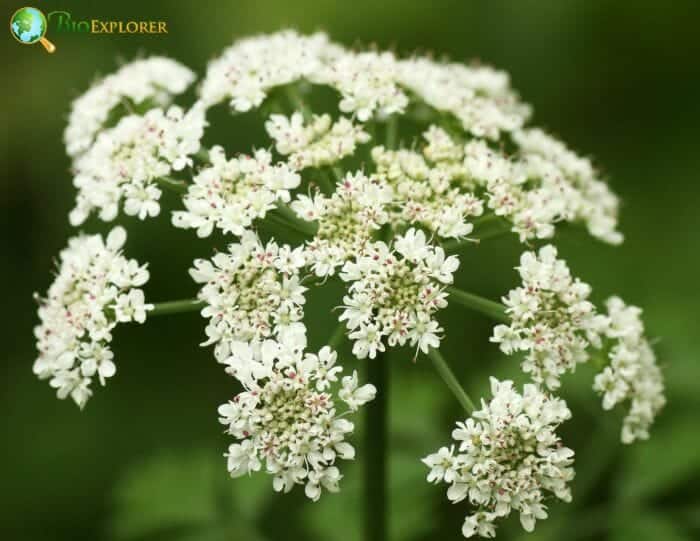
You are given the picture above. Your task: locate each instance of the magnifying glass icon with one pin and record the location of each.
(28, 25)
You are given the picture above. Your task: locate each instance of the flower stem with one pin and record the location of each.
(287, 216)
(486, 228)
(338, 173)
(178, 186)
(450, 379)
(202, 155)
(391, 132)
(175, 307)
(492, 309)
(375, 484)
(336, 339)
(297, 102)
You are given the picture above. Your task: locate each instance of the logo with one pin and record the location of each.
(63, 22)
(28, 25)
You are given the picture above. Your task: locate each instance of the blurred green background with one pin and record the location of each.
(619, 80)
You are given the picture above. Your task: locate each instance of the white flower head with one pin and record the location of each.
(346, 220)
(317, 143)
(366, 81)
(252, 292)
(286, 421)
(394, 294)
(552, 319)
(506, 457)
(230, 194)
(125, 161)
(95, 288)
(150, 81)
(571, 182)
(632, 375)
(251, 67)
(428, 188)
(480, 98)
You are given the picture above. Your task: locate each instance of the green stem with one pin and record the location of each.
(391, 132)
(376, 426)
(202, 155)
(178, 186)
(176, 307)
(495, 227)
(298, 102)
(450, 380)
(337, 337)
(492, 309)
(325, 182)
(292, 220)
(338, 173)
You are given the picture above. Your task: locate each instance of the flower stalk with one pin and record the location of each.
(176, 307)
(445, 372)
(177, 186)
(376, 441)
(489, 308)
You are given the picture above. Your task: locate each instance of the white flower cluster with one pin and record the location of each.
(152, 81)
(95, 288)
(252, 292)
(553, 321)
(571, 178)
(286, 419)
(539, 187)
(346, 220)
(367, 82)
(632, 375)
(508, 458)
(318, 143)
(125, 138)
(551, 318)
(480, 98)
(125, 161)
(395, 293)
(542, 184)
(230, 194)
(251, 67)
(426, 188)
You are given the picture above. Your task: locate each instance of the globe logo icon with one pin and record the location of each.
(28, 25)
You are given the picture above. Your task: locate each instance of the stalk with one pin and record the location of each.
(177, 186)
(445, 372)
(176, 307)
(288, 217)
(492, 309)
(376, 426)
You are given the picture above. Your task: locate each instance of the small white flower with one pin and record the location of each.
(353, 395)
(131, 307)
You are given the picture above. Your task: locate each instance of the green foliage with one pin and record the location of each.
(187, 496)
